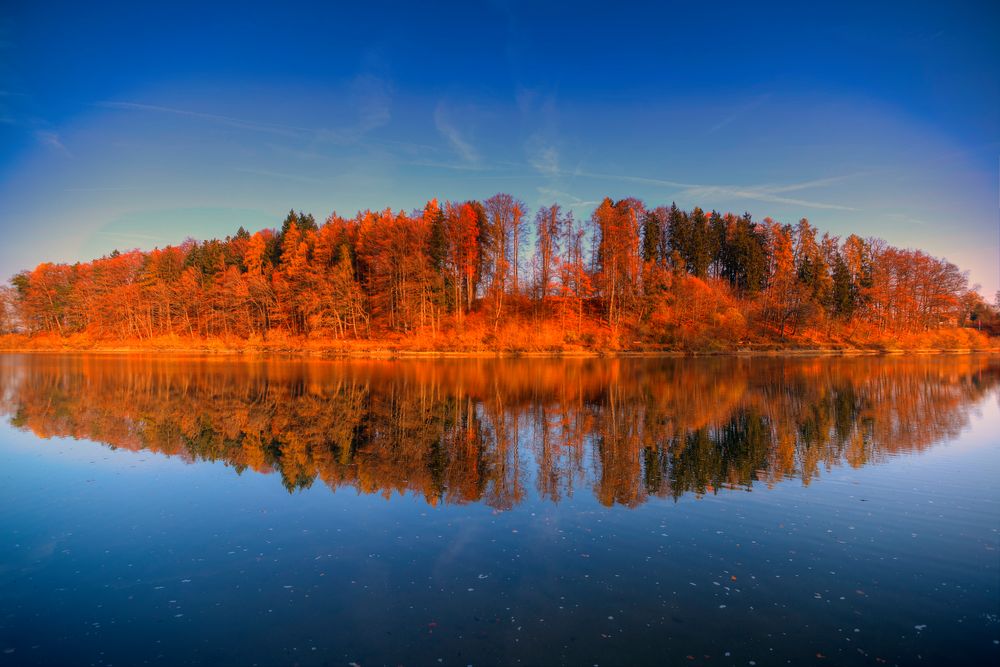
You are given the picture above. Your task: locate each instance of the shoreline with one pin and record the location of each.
(388, 354)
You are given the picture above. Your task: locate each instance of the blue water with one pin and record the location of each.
(115, 552)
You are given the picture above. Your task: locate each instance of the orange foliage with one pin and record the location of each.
(447, 278)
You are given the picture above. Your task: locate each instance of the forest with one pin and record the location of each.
(486, 276)
(498, 430)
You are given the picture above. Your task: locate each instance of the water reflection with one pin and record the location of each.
(491, 431)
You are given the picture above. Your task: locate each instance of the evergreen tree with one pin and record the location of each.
(679, 235)
(844, 293)
(700, 246)
(652, 237)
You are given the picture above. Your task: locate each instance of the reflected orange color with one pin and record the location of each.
(489, 430)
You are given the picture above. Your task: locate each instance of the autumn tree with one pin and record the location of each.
(576, 285)
(550, 229)
(462, 226)
(500, 250)
(9, 322)
(617, 228)
(783, 294)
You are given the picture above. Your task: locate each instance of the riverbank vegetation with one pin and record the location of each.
(485, 276)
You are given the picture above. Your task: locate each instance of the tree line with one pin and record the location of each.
(628, 274)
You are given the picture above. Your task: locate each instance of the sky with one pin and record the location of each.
(141, 124)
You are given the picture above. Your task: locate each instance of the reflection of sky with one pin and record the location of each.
(117, 135)
(898, 558)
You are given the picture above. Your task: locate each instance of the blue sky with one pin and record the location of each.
(128, 125)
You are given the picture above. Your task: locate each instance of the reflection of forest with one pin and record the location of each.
(485, 430)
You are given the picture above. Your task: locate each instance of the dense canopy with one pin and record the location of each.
(480, 275)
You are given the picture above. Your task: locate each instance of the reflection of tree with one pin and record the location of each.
(485, 430)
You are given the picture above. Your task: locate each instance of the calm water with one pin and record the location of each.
(719, 511)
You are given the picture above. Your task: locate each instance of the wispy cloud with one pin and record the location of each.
(50, 140)
(571, 200)
(458, 143)
(454, 166)
(297, 153)
(301, 178)
(765, 193)
(373, 100)
(370, 97)
(230, 121)
(759, 194)
(744, 109)
(539, 110)
(130, 236)
(104, 189)
(906, 219)
(815, 183)
(545, 159)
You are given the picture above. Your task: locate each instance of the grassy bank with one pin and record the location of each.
(469, 344)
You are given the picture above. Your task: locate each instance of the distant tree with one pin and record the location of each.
(617, 228)
(9, 321)
(550, 227)
(744, 255)
(462, 225)
(498, 248)
(844, 293)
(652, 236)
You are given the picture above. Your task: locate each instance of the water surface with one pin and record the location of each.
(627, 511)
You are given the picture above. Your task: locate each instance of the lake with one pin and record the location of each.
(720, 511)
